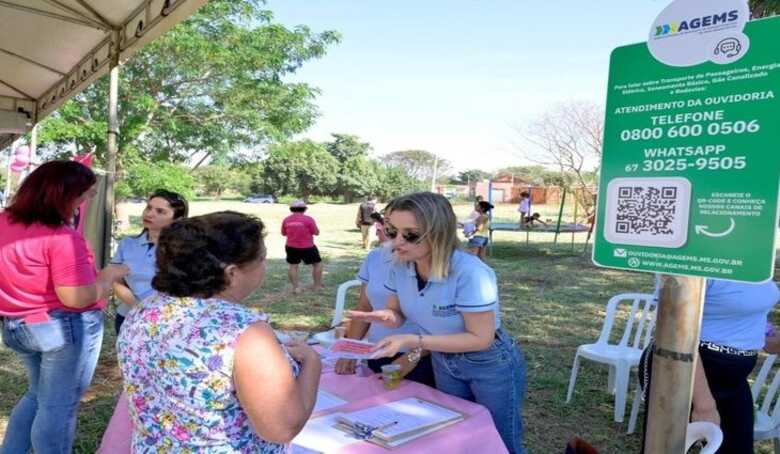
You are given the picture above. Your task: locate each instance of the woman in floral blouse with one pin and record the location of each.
(203, 373)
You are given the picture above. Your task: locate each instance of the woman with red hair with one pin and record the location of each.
(51, 301)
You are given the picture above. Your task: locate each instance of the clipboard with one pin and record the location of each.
(389, 439)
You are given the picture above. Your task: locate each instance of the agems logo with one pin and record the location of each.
(697, 23)
(712, 31)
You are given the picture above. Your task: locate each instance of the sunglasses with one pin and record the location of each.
(409, 237)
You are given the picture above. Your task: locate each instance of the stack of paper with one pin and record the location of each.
(320, 435)
(326, 400)
(398, 422)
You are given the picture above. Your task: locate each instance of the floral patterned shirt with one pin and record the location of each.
(176, 356)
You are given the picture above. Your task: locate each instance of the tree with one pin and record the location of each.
(470, 176)
(215, 179)
(356, 176)
(254, 172)
(536, 175)
(213, 84)
(569, 139)
(140, 179)
(300, 169)
(394, 181)
(346, 146)
(764, 8)
(418, 163)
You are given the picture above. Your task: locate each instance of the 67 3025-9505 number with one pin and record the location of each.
(670, 165)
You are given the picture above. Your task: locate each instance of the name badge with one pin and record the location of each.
(444, 311)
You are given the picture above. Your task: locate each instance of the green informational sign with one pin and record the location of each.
(691, 162)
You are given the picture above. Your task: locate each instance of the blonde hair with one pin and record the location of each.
(438, 226)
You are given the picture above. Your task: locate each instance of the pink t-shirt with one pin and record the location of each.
(36, 258)
(299, 230)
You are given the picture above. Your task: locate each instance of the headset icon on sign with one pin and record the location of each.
(729, 47)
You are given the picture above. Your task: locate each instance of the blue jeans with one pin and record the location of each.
(494, 378)
(60, 356)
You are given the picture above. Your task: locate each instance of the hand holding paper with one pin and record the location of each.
(390, 345)
(352, 349)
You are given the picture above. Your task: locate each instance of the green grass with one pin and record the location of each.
(552, 301)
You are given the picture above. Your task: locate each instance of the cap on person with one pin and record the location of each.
(298, 206)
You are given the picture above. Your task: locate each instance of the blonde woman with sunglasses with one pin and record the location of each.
(453, 297)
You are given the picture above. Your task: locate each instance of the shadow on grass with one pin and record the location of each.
(97, 404)
(349, 246)
(13, 383)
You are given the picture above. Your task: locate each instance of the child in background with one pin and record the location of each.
(469, 225)
(525, 207)
(300, 230)
(478, 239)
(528, 221)
(379, 227)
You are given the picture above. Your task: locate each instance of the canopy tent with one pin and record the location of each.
(51, 50)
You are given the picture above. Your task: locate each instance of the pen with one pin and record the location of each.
(390, 424)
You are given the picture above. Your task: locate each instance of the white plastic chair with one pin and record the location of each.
(767, 423)
(327, 338)
(704, 430)
(624, 355)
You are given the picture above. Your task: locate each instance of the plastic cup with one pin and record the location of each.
(299, 337)
(391, 375)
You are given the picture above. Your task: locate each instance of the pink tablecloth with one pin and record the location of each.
(474, 435)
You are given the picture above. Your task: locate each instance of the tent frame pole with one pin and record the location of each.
(112, 146)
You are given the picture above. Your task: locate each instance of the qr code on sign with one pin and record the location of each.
(648, 211)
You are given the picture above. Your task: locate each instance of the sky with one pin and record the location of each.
(458, 78)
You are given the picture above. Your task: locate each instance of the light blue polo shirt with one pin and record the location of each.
(373, 273)
(735, 313)
(437, 308)
(138, 253)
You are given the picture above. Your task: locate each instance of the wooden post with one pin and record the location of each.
(674, 363)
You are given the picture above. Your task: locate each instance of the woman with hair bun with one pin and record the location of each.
(138, 252)
(201, 371)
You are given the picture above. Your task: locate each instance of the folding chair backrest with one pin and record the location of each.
(640, 323)
(768, 404)
(341, 298)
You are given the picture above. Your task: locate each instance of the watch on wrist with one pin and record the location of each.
(414, 354)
